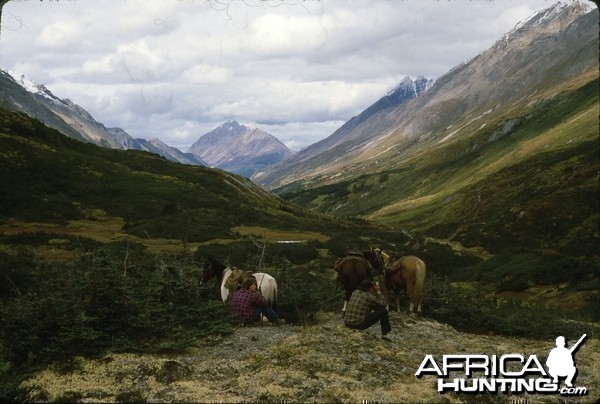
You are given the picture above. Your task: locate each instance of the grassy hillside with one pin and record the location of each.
(530, 180)
(52, 179)
(523, 191)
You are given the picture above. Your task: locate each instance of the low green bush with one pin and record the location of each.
(472, 311)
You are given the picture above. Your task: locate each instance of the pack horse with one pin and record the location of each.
(351, 271)
(230, 279)
(408, 273)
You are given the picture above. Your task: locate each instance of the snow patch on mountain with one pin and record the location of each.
(32, 86)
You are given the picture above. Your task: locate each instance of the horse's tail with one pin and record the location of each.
(419, 281)
(274, 303)
(269, 290)
(272, 292)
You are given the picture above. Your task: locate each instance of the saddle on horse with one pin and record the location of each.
(234, 281)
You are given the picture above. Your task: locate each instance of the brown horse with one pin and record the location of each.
(351, 272)
(406, 273)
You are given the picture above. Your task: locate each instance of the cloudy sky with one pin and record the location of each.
(177, 69)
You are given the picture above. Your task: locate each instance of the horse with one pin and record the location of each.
(408, 273)
(351, 271)
(267, 286)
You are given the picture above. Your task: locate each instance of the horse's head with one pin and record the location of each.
(377, 258)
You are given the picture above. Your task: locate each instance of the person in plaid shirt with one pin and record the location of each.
(247, 304)
(367, 307)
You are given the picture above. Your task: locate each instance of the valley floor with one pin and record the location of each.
(326, 362)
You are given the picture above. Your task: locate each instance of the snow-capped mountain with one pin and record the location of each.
(350, 137)
(524, 67)
(22, 94)
(239, 149)
(409, 88)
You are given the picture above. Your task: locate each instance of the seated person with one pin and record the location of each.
(367, 307)
(247, 304)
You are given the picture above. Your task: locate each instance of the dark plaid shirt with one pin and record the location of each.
(361, 304)
(243, 303)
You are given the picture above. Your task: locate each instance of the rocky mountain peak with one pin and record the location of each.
(232, 125)
(551, 19)
(31, 86)
(239, 149)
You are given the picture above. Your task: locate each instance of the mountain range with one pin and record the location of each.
(18, 93)
(521, 70)
(500, 151)
(232, 147)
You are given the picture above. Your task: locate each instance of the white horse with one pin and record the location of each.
(267, 286)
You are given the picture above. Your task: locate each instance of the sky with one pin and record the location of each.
(297, 69)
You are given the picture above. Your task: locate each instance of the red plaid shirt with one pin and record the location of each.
(243, 303)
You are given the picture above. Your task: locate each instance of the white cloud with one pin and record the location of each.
(206, 74)
(60, 35)
(132, 61)
(276, 35)
(176, 69)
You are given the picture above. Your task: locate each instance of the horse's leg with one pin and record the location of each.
(344, 309)
(396, 281)
(418, 302)
(420, 284)
(387, 289)
(410, 290)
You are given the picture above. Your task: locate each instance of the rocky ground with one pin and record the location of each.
(326, 362)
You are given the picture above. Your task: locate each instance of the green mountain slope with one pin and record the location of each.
(531, 180)
(48, 178)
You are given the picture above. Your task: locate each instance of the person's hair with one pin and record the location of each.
(365, 285)
(248, 282)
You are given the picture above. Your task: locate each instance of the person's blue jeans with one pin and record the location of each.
(268, 312)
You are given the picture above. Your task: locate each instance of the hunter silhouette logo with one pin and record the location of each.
(560, 361)
(508, 374)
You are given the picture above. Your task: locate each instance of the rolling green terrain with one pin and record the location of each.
(103, 249)
(489, 187)
(524, 187)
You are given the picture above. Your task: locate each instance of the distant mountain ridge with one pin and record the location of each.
(18, 93)
(540, 53)
(345, 140)
(239, 149)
